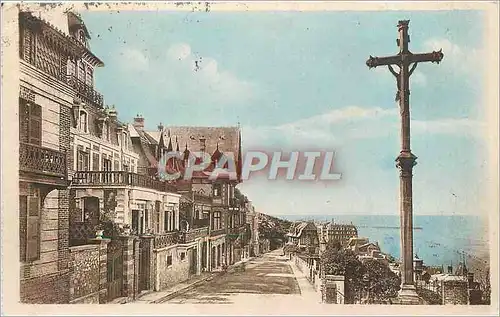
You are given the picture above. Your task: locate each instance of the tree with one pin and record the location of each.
(371, 277)
(383, 284)
(338, 261)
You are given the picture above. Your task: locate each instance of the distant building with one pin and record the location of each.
(332, 231)
(304, 235)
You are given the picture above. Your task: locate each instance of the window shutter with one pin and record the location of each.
(95, 162)
(33, 230)
(23, 214)
(35, 124)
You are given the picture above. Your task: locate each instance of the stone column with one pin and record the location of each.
(405, 163)
(130, 264)
(103, 268)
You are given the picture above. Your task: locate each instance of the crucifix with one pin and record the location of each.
(406, 61)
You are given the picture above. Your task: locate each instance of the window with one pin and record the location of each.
(169, 219)
(105, 131)
(217, 190)
(183, 256)
(89, 80)
(83, 121)
(202, 144)
(125, 140)
(71, 67)
(169, 260)
(216, 221)
(81, 37)
(81, 71)
(30, 122)
(95, 161)
(82, 161)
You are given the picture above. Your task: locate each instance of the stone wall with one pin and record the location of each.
(168, 275)
(332, 289)
(84, 277)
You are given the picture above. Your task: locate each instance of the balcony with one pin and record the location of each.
(41, 160)
(86, 92)
(120, 178)
(217, 232)
(199, 223)
(192, 235)
(166, 239)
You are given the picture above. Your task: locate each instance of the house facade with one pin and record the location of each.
(209, 202)
(47, 94)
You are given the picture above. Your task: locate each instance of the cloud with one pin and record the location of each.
(180, 76)
(134, 60)
(339, 126)
(449, 126)
(456, 58)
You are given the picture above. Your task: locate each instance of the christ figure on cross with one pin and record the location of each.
(406, 61)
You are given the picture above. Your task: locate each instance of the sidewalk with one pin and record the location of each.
(306, 289)
(163, 296)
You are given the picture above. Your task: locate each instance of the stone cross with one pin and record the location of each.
(406, 62)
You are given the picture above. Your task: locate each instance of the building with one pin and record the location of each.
(332, 231)
(50, 47)
(226, 216)
(304, 235)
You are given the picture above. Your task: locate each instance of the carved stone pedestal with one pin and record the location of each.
(408, 295)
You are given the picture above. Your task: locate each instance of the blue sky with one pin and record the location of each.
(298, 80)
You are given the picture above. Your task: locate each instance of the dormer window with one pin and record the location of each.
(125, 140)
(83, 118)
(217, 190)
(105, 130)
(81, 37)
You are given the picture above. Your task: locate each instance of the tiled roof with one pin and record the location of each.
(226, 138)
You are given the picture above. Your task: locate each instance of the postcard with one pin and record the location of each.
(250, 158)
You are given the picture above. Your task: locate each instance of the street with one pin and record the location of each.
(270, 277)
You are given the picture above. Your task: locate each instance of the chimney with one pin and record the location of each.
(450, 269)
(160, 127)
(139, 122)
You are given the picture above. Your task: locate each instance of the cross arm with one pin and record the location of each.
(383, 61)
(434, 57)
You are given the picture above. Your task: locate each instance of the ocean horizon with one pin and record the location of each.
(438, 239)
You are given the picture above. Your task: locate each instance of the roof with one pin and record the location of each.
(226, 139)
(215, 141)
(448, 277)
(144, 142)
(71, 44)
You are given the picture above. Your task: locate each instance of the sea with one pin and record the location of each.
(438, 240)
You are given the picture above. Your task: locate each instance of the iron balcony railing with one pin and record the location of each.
(42, 160)
(192, 235)
(217, 232)
(100, 178)
(166, 239)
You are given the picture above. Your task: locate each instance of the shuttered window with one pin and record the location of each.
(30, 119)
(33, 228)
(95, 161)
(89, 76)
(83, 161)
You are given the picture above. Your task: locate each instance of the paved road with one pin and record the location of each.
(265, 279)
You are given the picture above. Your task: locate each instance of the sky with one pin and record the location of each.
(298, 81)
